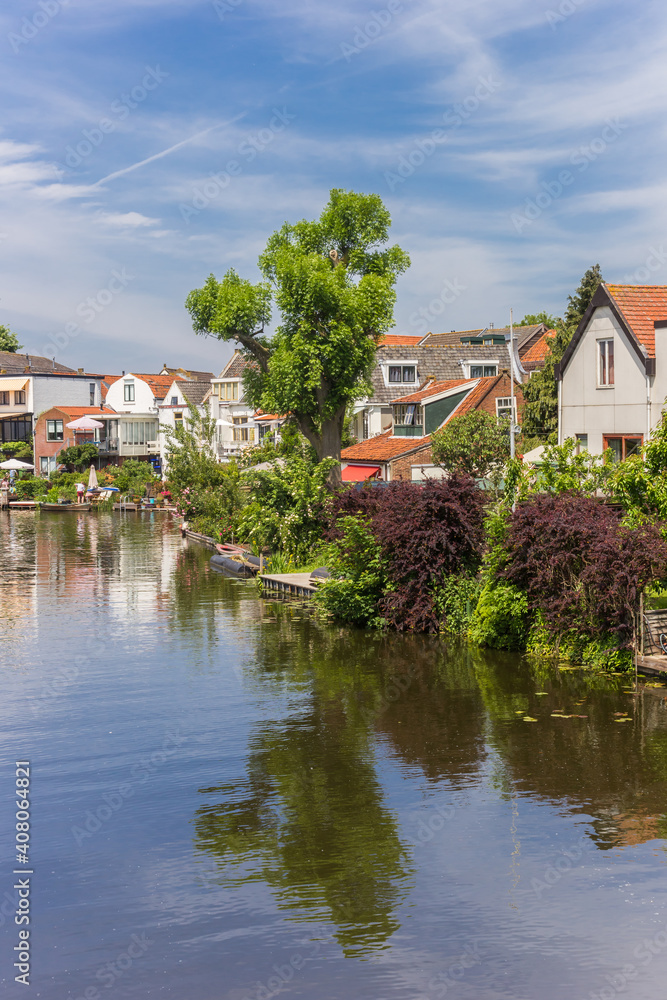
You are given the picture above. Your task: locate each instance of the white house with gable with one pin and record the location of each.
(612, 380)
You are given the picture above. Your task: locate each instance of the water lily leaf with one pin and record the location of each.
(529, 718)
(541, 694)
(622, 720)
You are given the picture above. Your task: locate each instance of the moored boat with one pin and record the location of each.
(64, 506)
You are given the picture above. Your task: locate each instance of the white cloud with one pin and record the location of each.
(125, 220)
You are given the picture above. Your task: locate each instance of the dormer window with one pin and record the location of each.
(483, 371)
(405, 414)
(128, 392)
(174, 400)
(402, 373)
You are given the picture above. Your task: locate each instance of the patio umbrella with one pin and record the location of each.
(92, 478)
(84, 424)
(13, 463)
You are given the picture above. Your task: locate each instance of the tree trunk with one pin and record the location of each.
(327, 440)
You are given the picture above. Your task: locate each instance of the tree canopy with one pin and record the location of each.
(8, 340)
(533, 319)
(474, 443)
(540, 393)
(332, 280)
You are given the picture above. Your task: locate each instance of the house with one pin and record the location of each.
(30, 385)
(238, 424)
(180, 399)
(404, 450)
(612, 380)
(443, 357)
(533, 359)
(52, 435)
(133, 430)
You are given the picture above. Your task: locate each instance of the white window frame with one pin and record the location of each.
(486, 363)
(128, 392)
(508, 404)
(401, 363)
(602, 362)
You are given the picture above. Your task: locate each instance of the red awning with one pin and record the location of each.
(357, 473)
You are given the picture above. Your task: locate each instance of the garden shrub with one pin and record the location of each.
(501, 619)
(358, 576)
(454, 602)
(580, 567)
(284, 512)
(30, 489)
(427, 534)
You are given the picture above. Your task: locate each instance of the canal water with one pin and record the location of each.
(232, 800)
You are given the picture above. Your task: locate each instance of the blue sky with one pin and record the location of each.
(147, 143)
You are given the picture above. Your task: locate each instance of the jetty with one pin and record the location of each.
(295, 584)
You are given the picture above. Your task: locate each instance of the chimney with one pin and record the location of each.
(122, 373)
(54, 363)
(80, 371)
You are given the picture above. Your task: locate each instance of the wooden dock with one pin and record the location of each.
(296, 584)
(652, 665)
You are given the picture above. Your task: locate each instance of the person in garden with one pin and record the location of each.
(80, 492)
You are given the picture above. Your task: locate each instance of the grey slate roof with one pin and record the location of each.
(236, 365)
(194, 392)
(16, 364)
(524, 336)
(440, 363)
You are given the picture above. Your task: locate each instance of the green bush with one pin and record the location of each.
(455, 601)
(501, 618)
(358, 576)
(30, 489)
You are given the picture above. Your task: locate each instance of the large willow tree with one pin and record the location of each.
(333, 283)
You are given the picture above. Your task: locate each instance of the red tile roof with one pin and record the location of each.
(433, 389)
(382, 448)
(399, 340)
(85, 411)
(640, 306)
(535, 355)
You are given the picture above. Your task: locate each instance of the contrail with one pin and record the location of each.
(165, 152)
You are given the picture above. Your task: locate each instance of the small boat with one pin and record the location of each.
(64, 506)
(244, 565)
(227, 549)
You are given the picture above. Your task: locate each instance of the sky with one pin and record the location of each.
(145, 144)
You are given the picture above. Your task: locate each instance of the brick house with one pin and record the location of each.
(404, 451)
(52, 435)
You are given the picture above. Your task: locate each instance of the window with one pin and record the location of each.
(605, 362)
(136, 432)
(178, 418)
(504, 408)
(229, 391)
(174, 400)
(402, 373)
(407, 414)
(47, 464)
(19, 397)
(4, 399)
(622, 447)
(215, 389)
(128, 392)
(54, 430)
(581, 443)
(91, 387)
(244, 433)
(483, 371)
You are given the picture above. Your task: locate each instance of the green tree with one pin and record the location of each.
(532, 319)
(540, 393)
(333, 282)
(475, 443)
(78, 456)
(8, 340)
